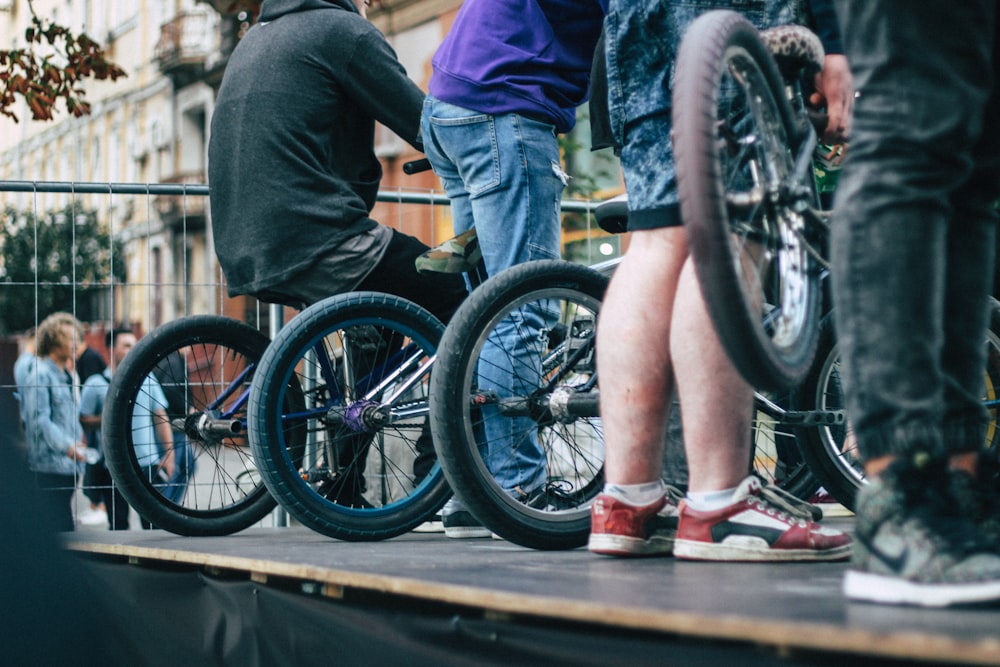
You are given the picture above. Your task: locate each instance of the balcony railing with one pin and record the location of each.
(185, 42)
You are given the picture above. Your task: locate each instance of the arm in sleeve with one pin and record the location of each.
(92, 402)
(51, 436)
(382, 88)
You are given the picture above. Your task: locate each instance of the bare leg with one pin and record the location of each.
(716, 403)
(633, 355)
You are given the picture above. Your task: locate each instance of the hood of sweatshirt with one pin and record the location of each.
(273, 9)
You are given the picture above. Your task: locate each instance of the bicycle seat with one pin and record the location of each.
(794, 48)
(612, 215)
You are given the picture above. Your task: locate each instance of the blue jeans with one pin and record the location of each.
(503, 176)
(184, 466)
(914, 227)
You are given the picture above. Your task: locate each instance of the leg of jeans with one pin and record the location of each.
(909, 290)
(504, 177)
(183, 469)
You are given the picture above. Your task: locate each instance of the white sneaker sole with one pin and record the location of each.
(695, 550)
(868, 587)
(467, 532)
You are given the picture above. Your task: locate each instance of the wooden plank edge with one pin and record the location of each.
(781, 635)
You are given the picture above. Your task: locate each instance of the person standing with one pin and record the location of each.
(151, 432)
(912, 263)
(292, 185)
(56, 446)
(171, 373)
(654, 298)
(506, 81)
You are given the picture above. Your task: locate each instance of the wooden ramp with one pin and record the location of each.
(788, 613)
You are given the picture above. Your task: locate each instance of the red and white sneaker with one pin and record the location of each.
(620, 529)
(760, 525)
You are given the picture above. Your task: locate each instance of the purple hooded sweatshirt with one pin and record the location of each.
(529, 57)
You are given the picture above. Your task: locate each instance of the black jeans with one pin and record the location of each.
(914, 226)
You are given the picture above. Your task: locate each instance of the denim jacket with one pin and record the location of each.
(51, 418)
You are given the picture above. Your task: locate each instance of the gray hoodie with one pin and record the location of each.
(292, 169)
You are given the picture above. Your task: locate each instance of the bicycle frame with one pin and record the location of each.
(217, 421)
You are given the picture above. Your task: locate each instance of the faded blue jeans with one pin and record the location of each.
(503, 176)
(914, 227)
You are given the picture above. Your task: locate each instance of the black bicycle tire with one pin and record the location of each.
(452, 423)
(282, 475)
(839, 471)
(700, 63)
(117, 419)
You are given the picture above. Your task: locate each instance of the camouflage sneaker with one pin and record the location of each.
(979, 499)
(913, 546)
(456, 255)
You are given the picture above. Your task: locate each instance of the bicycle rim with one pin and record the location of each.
(206, 363)
(367, 470)
(515, 390)
(733, 132)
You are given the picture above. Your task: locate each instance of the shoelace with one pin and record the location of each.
(789, 504)
(674, 495)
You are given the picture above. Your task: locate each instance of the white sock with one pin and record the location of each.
(709, 501)
(636, 494)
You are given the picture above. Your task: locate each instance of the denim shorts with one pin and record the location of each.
(643, 38)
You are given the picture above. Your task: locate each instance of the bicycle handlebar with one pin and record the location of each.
(416, 166)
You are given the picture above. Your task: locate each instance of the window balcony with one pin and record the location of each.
(182, 212)
(185, 43)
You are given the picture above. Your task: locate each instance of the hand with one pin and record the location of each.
(167, 463)
(835, 91)
(78, 452)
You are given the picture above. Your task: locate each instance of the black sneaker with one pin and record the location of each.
(913, 546)
(459, 524)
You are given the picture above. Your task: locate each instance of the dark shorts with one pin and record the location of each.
(395, 273)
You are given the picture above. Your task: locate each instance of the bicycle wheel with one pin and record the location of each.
(367, 470)
(746, 215)
(514, 390)
(223, 493)
(831, 451)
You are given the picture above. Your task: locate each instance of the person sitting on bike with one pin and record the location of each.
(654, 334)
(292, 165)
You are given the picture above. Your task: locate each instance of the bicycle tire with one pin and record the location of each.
(829, 451)
(557, 302)
(218, 500)
(733, 136)
(355, 479)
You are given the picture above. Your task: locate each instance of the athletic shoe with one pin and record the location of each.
(760, 525)
(978, 499)
(432, 525)
(459, 524)
(914, 546)
(620, 529)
